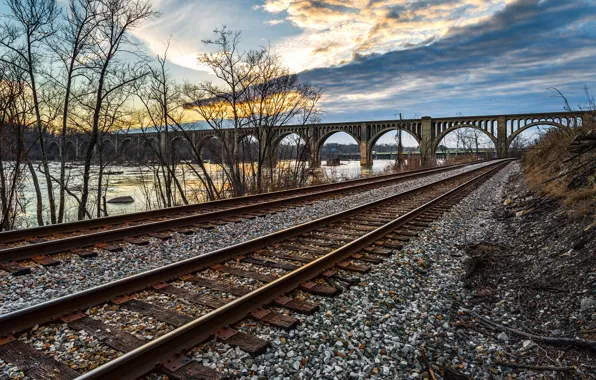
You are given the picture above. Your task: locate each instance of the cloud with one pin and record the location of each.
(357, 28)
(187, 22)
(436, 57)
(501, 63)
(275, 22)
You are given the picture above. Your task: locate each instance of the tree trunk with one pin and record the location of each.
(44, 158)
(39, 211)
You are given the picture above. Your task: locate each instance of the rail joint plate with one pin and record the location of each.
(72, 316)
(226, 333)
(7, 339)
(177, 362)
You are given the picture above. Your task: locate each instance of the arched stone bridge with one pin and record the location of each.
(501, 129)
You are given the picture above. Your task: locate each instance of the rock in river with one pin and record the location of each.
(119, 200)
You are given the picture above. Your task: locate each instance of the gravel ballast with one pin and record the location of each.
(406, 309)
(46, 283)
(407, 313)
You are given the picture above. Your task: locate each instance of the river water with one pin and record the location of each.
(134, 181)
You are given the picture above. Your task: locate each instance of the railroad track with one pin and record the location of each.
(83, 239)
(263, 275)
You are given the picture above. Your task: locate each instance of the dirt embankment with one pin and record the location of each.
(539, 283)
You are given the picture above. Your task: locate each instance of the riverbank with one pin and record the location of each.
(139, 183)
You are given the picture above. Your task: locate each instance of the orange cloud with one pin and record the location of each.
(338, 31)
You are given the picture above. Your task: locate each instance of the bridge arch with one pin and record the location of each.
(207, 143)
(149, 147)
(443, 134)
(53, 151)
(321, 141)
(527, 126)
(301, 147)
(277, 140)
(318, 146)
(127, 148)
(372, 142)
(282, 136)
(181, 149)
(381, 133)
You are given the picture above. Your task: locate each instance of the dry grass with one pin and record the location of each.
(460, 159)
(552, 170)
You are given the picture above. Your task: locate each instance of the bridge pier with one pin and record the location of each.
(428, 141)
(314, 154)
(366, 159)
(502, 147)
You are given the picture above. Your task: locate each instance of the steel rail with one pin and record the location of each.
(51, 310)
(147, 357)
(28, 251)
(16, 235)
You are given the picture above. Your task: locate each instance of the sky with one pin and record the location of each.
(374, 58)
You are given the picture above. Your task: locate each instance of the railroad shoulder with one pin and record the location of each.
(537, 275)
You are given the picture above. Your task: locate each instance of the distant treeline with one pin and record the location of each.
(331, 149)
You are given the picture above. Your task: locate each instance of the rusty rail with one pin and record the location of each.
(51, 310)
(145, 358)
(9, 236)
(90, 239)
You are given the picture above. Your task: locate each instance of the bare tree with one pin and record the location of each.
(107, 73)
(219, 105)
(30, 24)
(162, 102)
(258, 95)
(275, 98)
(13, 152)
(71, 45)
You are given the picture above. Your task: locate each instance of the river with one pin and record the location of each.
(134, 180)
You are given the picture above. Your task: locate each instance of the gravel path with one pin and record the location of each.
(44, 284)
(404, 306)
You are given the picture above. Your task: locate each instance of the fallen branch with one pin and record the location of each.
(536, 367)
(431, 373)
(580, 343)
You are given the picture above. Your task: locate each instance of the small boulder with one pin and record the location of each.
(503, 337)
(587, 303)
(528, 344)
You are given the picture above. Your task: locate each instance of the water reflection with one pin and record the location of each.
(135, 181)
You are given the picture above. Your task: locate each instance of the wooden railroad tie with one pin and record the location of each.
(45, 260)
(296, 305)
(15, 268)
(272, 318)
(301, 259)
(22, 355)
(190, 296)
(247, 343)
(243, 273)
(110, 247)
(214, 285)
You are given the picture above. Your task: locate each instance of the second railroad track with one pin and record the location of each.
(254, 279)
(85, 237)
